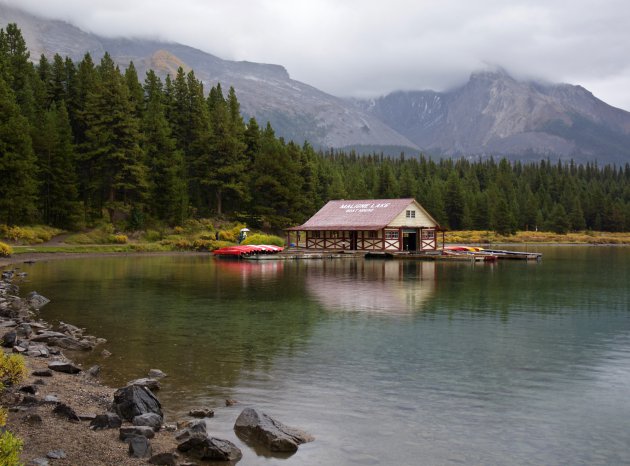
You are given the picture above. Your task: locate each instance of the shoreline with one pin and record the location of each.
(32, 402)
(27, 257)
(66, 416)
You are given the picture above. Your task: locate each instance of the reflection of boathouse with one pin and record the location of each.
(369, 225)
(371, 286)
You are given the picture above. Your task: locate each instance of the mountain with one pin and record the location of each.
(494, 114)
(296, 110)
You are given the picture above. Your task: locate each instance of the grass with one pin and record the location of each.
(491, 237)
(200, 235)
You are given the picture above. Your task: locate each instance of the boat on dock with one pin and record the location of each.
(515, 255)
(495, 254)
(245, 251)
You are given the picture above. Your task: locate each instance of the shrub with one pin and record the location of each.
(5, 250)
(225, 235)
(28, 235)
(99, 235)
(260, 238)
(10, 449)
(118, 239)
(12, 369)
(152, 236)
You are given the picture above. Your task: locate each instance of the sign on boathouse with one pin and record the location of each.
(369, 225)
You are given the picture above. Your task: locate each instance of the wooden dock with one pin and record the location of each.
(486, 255)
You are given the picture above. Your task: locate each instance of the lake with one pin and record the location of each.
(385, 362)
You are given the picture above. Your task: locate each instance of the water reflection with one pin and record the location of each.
(488, 365)
(372, 286)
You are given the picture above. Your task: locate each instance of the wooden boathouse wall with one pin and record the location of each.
(399, 225)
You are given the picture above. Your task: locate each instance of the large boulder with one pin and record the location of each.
(36, 300)
(135, 431)
(106, 421)
(71, 343)
(194, 428)
(65, 411)
(205, 448)
(47, 335)
(148, 419)
(134, 400)
(151, 384)
(10, 339)
(61, 366)
(139, 447)
(255, 426)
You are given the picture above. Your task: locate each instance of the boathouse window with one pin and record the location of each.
(372, 234)
(411, 214)
(428, 234)
(315, 234)
(334, 234)
(391, 234)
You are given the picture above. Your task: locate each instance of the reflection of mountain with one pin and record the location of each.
(387, 287)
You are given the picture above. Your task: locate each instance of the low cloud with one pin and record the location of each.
(369, 48)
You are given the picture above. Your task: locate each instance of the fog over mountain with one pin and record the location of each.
(492, 114)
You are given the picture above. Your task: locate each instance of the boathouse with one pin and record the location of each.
(369, 225)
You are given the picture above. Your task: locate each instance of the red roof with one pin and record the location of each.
(370, 214)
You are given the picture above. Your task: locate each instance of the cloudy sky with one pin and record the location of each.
(371, 47)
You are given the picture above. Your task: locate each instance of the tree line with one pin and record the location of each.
(82, 141)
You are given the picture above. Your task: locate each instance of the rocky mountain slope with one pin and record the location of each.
(496, 114)
(296, 110)
(492, 114)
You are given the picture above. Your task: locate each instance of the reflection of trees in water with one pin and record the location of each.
(201, 321)
(373, 286)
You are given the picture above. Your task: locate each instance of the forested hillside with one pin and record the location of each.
(82, 141)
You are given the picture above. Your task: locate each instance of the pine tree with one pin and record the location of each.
(19, 72)
(18, 188)
(558, 221)
(168, 197)
(112, 147)
(59, 194)
(454, 202)
(225, 171)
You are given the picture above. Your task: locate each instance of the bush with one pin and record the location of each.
(260, 238)
(10, 449)
(152, 236)
(5, 250)
(12, 369)
(99, 235)
(118, 239)
(28, 235)
(227, 236)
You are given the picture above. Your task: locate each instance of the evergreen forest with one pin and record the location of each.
(82, 142)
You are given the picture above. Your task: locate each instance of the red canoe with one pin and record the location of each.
(239, 251)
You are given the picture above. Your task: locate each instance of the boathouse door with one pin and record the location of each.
(410, 240)
(354, 237)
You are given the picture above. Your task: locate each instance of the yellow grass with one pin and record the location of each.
(491, 237)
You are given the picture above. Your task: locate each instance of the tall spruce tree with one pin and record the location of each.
(112, 146)
(225, 171)
(58, 189)
(168, 196)
(18, 170)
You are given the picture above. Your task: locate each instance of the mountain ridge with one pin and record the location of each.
(492, 114)
(296, 110)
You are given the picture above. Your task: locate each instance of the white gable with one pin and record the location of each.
(418, 217)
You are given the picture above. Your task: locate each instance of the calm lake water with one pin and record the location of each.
(384, 362)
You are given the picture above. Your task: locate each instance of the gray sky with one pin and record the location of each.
(367, 48)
